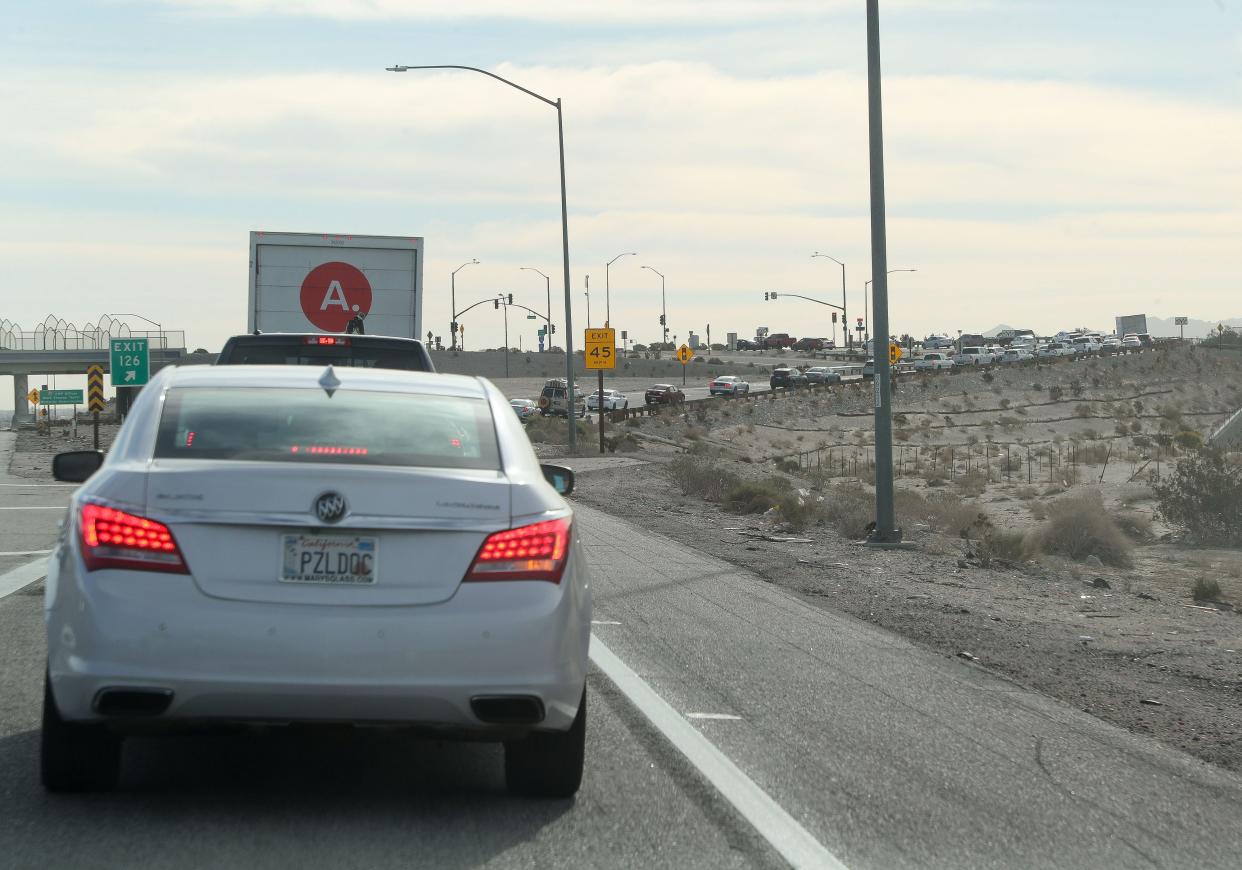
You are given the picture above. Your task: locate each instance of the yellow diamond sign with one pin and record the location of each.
(894, 354)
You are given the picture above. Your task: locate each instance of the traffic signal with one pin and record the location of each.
(765, 297)
(554, 329)
(834, 317)
(496, 304)
(661, 319)
(510, 298)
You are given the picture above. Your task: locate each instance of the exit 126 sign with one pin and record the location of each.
(130, 362)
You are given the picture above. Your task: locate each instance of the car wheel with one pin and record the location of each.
(76, 756)
(548, 763)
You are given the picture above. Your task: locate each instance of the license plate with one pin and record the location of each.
(347, 559)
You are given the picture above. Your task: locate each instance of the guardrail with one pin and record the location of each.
(905, 370)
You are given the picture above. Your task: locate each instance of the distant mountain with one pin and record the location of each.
(996, 330)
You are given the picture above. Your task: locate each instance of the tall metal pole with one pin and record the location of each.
(548, 290)
(886, 531)
(569, 316)
(506, 307)
(608, 285)
(560, 138)
(845, 314)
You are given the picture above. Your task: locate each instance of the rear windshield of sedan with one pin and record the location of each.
(354, 427)
(298, 350)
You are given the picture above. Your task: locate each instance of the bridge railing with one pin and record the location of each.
(74, 339)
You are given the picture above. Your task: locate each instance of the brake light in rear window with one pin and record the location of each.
(535, 552)
(116, 539)
(336, 340)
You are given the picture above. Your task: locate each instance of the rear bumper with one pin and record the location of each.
(240, 661)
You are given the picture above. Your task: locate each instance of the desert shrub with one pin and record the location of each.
(1135, 524)
(972, 483)
(1203, 497)
(1004, 403)
(1082, 409)
(552, 430)
(1188, 440)
(789, 465)
(1076, 387)
(749, 497)
(1002, 545)
(715, 361)
(988, 377)
(941, 511)
(700, 476)
(1205, 589)
(1039, 388)
(849, 508)
(1055, 393)
(1078, 527)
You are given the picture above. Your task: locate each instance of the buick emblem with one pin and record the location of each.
(330, 507)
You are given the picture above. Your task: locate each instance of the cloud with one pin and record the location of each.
(690, 11)
(1018, 201)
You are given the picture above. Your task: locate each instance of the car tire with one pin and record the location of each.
(76, 757)
(548, 763)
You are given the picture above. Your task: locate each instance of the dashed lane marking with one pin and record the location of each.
(723, 716)
(774, 824)
(20, 578)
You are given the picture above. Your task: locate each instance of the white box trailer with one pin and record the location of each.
(317, 282)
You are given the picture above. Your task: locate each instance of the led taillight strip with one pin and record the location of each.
(535, 552)
(112, 538)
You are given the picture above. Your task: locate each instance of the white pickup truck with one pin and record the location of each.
(973, 356)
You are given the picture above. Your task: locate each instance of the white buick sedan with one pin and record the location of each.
(286, 544)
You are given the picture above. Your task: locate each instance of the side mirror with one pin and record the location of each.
(76, 466)
(561, 478)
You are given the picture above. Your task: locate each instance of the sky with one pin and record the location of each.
(1049, 163)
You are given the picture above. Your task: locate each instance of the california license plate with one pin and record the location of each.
(348, 559)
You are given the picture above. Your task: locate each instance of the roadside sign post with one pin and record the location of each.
(894, 354)
(684, 355)
(601, 353)
(61, 397)
(94, 396)
(130, 362)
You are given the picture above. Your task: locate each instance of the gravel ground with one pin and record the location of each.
(1129, 645)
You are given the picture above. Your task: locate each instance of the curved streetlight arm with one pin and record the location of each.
(536, 271)
(405, 68)
(465, 264)
(619, 256)
(829, 256)
(782, 294)
(163, 343)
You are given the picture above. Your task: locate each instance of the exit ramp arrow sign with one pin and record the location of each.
(130, 360)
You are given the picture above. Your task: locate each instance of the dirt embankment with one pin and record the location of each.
(1129, 644)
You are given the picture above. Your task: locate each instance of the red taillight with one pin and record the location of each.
(115, 539)
(537, 552)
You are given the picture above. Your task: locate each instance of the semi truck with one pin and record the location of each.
(328, 282)
(1135, 323)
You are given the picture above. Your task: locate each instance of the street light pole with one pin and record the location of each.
(588, 298)
(845, 315)
(453, 301)
(547, 286)
(886, 532)
(608, 286)
(663, 308)
(560, 140)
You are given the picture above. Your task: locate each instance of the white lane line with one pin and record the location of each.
(69, 485)
(728, 717)
(34, 508)
(20, 578)
(774, 824)
(26, 553)
(603, 622)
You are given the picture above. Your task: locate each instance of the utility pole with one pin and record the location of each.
(886, 532)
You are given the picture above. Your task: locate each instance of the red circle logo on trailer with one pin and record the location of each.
(333, 293)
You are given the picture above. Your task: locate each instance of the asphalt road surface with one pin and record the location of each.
(731, 724)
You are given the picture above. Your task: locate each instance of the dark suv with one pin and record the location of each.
(313, 348)
(787, 378)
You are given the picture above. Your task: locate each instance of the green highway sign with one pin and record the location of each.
(130, 362)
(61, 397)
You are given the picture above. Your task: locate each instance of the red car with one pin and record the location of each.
(779, 339)
(664, 394)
